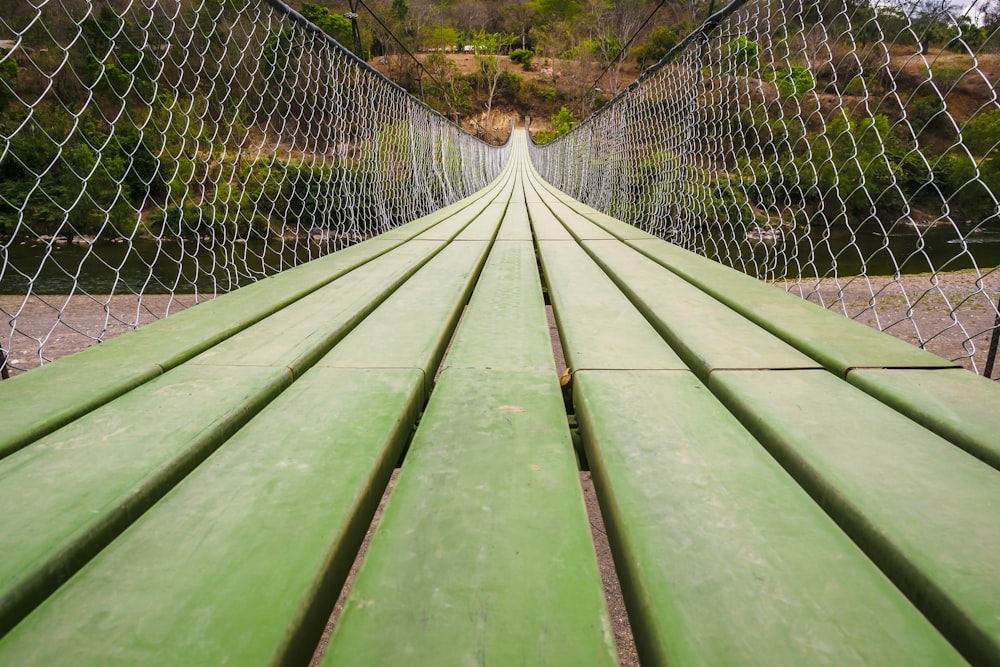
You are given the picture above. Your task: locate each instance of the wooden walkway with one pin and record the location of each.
(781, 485)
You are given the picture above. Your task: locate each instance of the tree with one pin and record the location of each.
(400, 10)
(488, 48)
(334, 25)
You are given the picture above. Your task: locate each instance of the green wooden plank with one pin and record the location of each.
(483, 554)
(545, 224)
(412, 327)
(617, 228)
(517, 195)
(925, 511)
(724, 560)
(465, 207)
(297, 336)
(957, 405)
(707, 334)
(67, 496)
(452, 226)
(516, 225)
(241, 563)
(835, 341)
(37, 403)
(579, 226)
(505, 325)
(598, 325)
(484, 228)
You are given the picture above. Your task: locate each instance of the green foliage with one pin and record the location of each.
(400, 10)
(522, 57)
(794, 81)
(925, 112)
(562, 122)
(860, 86)
(657, 44)
(559, 9)
(8, 78)
(981, 135)
(743, 54)
(334, 25)
(606, 49)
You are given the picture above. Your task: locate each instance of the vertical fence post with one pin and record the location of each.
(991, 356)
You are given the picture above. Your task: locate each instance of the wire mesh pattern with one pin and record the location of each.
(845, 151)
(186, 149)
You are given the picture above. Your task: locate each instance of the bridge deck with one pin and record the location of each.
(781, 485)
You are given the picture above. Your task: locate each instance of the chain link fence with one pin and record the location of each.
(154, 154)
(848, 152)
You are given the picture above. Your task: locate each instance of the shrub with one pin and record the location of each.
(982, 134)
(794, 81)
(657, 45)
(743, 53)
(522, 57)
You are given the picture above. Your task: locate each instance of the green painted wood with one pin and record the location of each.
(411, 328)
(505, 327)
(957, 405)
(297, 336)
(456, 223)
(617, 228)
(598, 325)
(707, 334)
(925, 511)
(64, 498)
(517, 195)
(465, 207)
(483, 554)
(84, 381)
(241, 563)
(835, 341)
(516, 225)
(579, 226)
(724, 560)
(544, 223)
(484, 228)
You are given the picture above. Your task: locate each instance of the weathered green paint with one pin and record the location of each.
(545, 224)
(69, 494)
(516, 226)
(483, 554)
(837, 342)
(411, 328)
(927, 512)
(472, 216)
(484, 228)
(724, 559)
(957, 405)
(707, 334)
(617, 228)
(299, 334)
(473, 203)
(577, 225)
(36, 403)
(241, 563)
(505, 326)
(598, 325)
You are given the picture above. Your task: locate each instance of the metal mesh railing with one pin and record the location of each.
(156, 154)
(849, 152)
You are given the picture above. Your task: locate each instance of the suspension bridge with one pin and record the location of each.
(396, 312)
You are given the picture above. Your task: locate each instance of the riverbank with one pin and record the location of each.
(50, 326)
(950, 312)
(953, 313)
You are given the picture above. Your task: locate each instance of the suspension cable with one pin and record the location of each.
(401, 45)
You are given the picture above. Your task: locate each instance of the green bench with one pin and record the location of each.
(196, 492)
